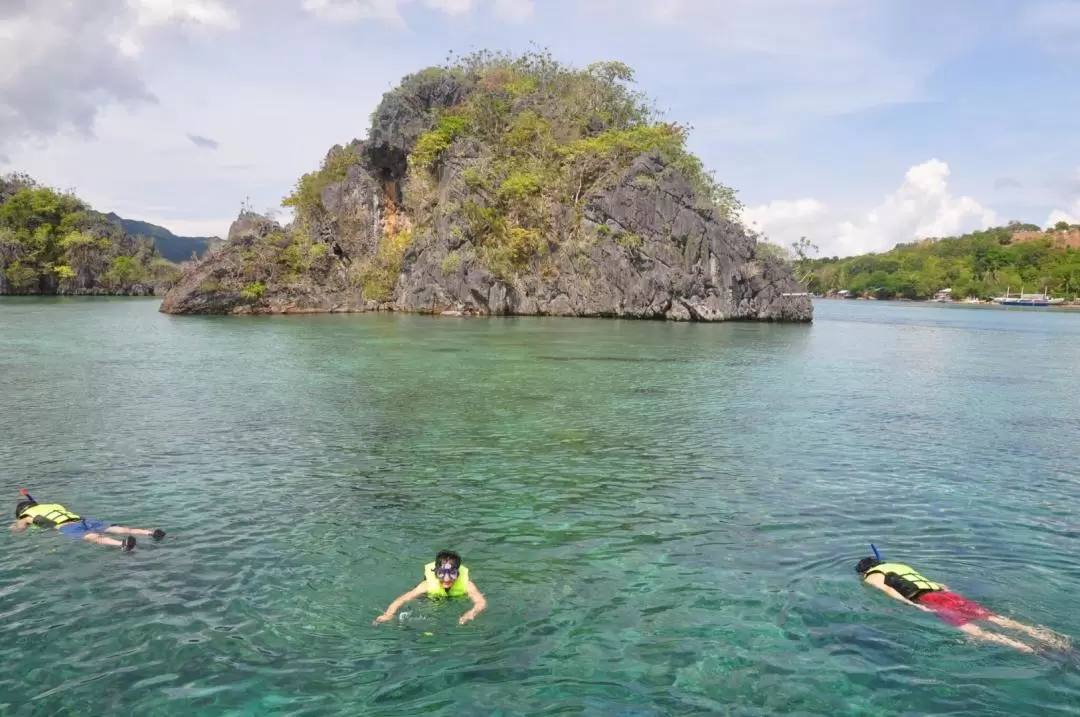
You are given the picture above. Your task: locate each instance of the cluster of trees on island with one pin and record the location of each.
(52, 242)
(981, 264)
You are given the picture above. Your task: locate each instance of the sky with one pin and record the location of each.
(858, 124)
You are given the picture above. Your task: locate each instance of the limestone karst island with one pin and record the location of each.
(503, 185)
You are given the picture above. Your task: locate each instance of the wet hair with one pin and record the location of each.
(865, 564)
(23, 505)
(448, 556)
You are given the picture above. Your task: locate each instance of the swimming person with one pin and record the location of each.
(53, 515)
(446, 577)
(902, 583)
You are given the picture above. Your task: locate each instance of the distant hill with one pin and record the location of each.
(170, 246)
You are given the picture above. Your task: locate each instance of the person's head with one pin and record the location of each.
(866, 564)
(21, 506)
(447, 565)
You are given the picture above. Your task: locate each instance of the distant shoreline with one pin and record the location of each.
(992, 304)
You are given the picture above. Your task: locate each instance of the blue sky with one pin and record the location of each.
(857, 123)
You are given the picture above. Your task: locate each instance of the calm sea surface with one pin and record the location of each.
(663, 517)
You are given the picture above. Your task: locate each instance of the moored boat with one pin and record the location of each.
(1023, 299)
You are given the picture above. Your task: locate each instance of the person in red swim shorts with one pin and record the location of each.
(903, 583)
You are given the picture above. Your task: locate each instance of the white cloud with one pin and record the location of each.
(60, 62)
(1054, 16)
(515, 11)
(785, 65)
(921, 207)
(344, 11)
(191, 227)
(451, 7)
(152, 13)
(347, 11)
(1071, 214)
(1051, 26)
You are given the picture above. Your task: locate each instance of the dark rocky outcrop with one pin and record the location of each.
(404, 115)
(376, 232)
(683, 263)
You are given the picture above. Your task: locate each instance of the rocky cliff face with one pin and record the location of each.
(433, 215)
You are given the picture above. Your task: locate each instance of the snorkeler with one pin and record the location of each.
(902, 583)
(446, 577)
(53, 515)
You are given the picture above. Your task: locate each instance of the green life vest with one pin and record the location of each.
(49, 515)
(435, 588)
(904, 580)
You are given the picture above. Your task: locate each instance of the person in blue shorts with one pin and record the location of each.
(54, 515)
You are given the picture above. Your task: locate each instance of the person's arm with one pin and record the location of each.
(878, 581)
(21, 524)
(479, 603)
(396, 605)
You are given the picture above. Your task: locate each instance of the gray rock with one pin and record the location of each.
(250, 225)
(657, 255)
(407, 112)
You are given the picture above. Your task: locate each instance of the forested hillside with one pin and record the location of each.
(981, 264)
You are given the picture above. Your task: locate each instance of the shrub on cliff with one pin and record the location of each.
(534, 138)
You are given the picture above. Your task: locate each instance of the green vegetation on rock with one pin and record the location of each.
(503, 184)
(306, 197)
(980, 264)
(253, 291)
(378, 276)
(535, 139)
(277, 259)
(51, 242)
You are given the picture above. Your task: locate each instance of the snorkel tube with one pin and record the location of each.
(24, 505)
(876, 553)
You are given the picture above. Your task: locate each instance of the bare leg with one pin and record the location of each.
(121, 530)
(980, 634)
(1039, 633)
(102, 540)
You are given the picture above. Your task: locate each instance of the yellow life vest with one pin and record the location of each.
(49, 515)
(435, 588)
(904, 580)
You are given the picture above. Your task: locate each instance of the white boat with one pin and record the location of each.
(1023, 299)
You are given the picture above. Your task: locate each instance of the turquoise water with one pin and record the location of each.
(663, 517)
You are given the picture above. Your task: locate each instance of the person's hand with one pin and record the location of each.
(466, 617)
(383, 618)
